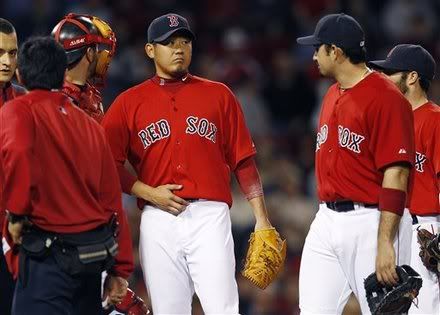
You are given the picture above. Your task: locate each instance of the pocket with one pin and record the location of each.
(86, 259)
(67, 259)
(36, 246)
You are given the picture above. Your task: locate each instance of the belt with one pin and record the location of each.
(347, 205)
(414, 219)
(428, 218)
(190, 200)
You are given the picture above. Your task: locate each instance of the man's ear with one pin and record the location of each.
(412, 78)
(90, 52)
(337, 53)
(149, 50)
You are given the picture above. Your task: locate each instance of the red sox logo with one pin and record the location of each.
(174, 21)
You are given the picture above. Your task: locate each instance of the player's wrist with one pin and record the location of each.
(392, 200)
(142, 191)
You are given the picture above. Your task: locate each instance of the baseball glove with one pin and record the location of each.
(265, 257)
(429, 249)
(384, 300)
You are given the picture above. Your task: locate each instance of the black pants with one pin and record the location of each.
(49, 290)
(7, 286)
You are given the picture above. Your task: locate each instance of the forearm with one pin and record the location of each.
(260, 212)
(389, 223)
(392, 201)
(141, 190)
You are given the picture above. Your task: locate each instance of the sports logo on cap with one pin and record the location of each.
(174, 20)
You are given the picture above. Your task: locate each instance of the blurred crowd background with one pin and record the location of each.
(250, 45)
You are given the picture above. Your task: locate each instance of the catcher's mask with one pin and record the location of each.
(77, 32)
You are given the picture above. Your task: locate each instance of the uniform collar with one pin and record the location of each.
(161, 81)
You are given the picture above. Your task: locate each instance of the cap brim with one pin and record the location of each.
(182, 30)
(308, 40)
(379, 64)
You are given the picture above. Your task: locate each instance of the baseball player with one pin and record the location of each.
(412, 69)
(8, 90)
(64, 211)
(364, 151)
(88, 61)
(184, 135)
(82, 60)
(90, 45)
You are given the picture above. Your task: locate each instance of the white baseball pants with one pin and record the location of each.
(339, 253)
(429, 295)
(191, 252)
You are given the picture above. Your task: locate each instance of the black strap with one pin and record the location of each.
(414, 219)
(346, 205)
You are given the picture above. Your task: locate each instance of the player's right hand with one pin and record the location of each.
(16, 231)
(386, 264)
(164, 198)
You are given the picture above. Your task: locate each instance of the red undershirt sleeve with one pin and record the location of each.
(248, 178)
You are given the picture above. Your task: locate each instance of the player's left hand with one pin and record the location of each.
(115, 288)
(16, 229)
(386, 264)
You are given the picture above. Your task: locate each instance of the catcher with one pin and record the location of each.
(412, 69)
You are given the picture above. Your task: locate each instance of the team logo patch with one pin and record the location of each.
(174, 20)
(420, 161)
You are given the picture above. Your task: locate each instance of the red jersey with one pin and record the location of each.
(86, 97)
(45, 148)
(189, 132)
(361, 131)
(425, 188)
(8, 92)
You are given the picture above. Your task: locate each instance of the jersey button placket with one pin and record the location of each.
(176, 148)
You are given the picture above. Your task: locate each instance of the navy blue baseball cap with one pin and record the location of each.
(340, 29)
(161, 28)
(407, 57)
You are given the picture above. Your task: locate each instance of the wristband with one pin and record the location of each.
(392, 200)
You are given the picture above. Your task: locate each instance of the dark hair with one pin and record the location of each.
(356, 55)
(42, 63)
(6, 27)
(424, 84)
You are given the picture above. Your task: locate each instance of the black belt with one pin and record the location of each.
(414, 219)
(347, 205)
(190, 200)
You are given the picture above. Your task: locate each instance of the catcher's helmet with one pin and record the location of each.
(77, 32)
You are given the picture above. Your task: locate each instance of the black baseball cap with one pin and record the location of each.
(407, 57)
(340, 29)
(161, 28)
